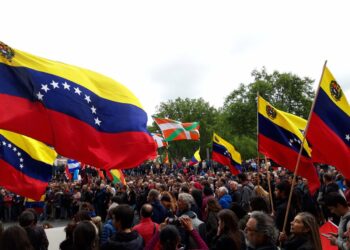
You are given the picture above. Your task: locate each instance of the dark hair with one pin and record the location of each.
(82, 215)
(169, 237)
(165, 197)
(334, 198)
(197, 196)
(213, 205)
(125, 215)
(69, 229)
(207, 190)
(284, 187)
(32, 210)
(328, 177)
(26, 219)
(146, 210)
(230, 226)
(84, 236)
(242, 177)
(258, 203)
(238, 210)
(15, 238)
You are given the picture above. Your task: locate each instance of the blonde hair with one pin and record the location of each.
(309, 222)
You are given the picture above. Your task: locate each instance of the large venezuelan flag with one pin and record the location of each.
(329, 129)
(280, 139)
(226, 154)
(25, 164)
(82, 114)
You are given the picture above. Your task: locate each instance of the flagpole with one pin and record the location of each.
(257, 135)
(269, 184)
(301, 148)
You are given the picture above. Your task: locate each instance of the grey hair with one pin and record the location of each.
(265, 225)
(223, 189)
(153, 194)
(187, 198)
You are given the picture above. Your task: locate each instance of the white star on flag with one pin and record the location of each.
(14, 149)
(77, 91)
(40, 96)
(9, 145)
(21, 159)
(87, 98)
(45, 87)
(19, 154)
(66, 85)
(93, 109)
(54, 84)
(347, 137)
(97, 121)
(21, 165)
(4, 143)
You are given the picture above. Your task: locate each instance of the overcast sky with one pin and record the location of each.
(162, 50)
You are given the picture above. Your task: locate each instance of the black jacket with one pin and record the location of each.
(126, 241)
(301, 242)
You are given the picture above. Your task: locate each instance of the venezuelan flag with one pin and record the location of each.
(117, 176)
(329, 128)
(196, 158)
(37, 205)
(226, 154)
(280, 139)
(82, 114)
(25, 164)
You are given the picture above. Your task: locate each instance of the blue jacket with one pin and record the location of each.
(225, 201)
(107, 231)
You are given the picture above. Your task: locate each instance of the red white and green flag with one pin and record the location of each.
(174, 130)
(159, 139)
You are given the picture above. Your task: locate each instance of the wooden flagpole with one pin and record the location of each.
(269, 184)
(300, 151)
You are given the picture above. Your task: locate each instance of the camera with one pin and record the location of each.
(174, 221)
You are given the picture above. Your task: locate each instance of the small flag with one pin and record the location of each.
(174, 130)
(196, 158)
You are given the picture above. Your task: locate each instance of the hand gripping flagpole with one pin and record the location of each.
(300, 151)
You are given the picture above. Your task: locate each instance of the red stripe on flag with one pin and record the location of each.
(224, 161)
(19, 183)
(287, 158)
(327, 147)
(74, 138)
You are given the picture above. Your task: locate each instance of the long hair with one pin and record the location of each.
(310, 222)
(230, 226)
(15, 238)
(213, 205)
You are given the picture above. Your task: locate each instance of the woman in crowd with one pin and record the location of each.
(228, 237)
(304, 234)
(15, 238)
(212, 210)
(85, 236)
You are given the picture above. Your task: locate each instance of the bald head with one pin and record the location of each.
(146, 210)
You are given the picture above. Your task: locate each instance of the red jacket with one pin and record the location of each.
(147, 228)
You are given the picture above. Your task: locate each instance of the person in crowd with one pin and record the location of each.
(108, 228)
(85, 236)
(304, 234)
(261, 233)
(228, 236)
(159, 211)
(246, 191)
(197, 196)
(36, 235)
(15, 238)
(337, 205)
(211, 223)
(125, 238)
(170, 239)
(225, 199)
(146, 228)
(329, 186)
(168, 202)
(67, 244)
(234, 191)
(207, 194)
(184, 205)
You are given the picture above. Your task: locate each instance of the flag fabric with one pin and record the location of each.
(67, 174)
(174, 130)
(196, 158)
(158, 138)
(73, 165)
(226, 154)
(280, 139)
(117, 176)
(166, 158)
(329, 128)
(82, 114)
(25, 164)
(326, 228)
(37, 204)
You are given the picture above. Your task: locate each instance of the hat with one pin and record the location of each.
(198, 185)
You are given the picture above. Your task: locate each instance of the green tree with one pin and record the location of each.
(189, 110)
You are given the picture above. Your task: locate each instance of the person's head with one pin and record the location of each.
(84, 236)
(32, 210)
(15, 238)
(258, 203)
(169, 238)
(207, 190)
(336, 203)
(260, 230)
(123, 217)
(26, 219)
(242, 177)
(227, 221)
(305, 223)
(222, 191)
(233, 185)
(82, 215)
(283, 190)
(153, 195)
(185, 201)
(327, 178)
(146, 211)
(69, 229)
(213, 205)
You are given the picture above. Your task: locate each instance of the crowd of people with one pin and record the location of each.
(203, 207)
